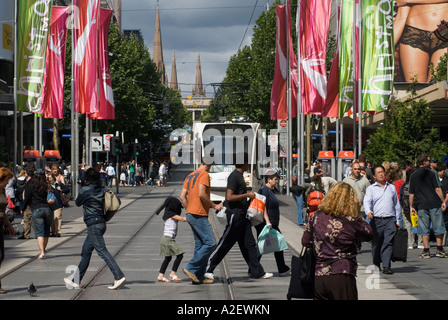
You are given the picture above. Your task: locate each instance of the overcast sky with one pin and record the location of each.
(213, 28)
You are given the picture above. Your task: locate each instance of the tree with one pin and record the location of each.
(247, 85)
(406, 133)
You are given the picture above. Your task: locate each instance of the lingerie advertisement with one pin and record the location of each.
(418, 44)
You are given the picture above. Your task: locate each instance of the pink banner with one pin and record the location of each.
(279, 109)
(53, 88)
(107, 105)
(331, 106)
(85, 67)
(314, 26)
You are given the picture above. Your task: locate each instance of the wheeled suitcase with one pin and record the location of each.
(297, 288)
(400, 246)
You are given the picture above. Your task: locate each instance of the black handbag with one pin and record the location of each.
(301, 285)
(307, 264)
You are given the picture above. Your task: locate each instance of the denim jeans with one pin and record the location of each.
(430, 218)
(299, 201)
(204, 244)
(131, 178)
(42, 220)
(95, 241)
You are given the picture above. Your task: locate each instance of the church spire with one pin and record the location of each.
(198, 89)
(174, 84)
(157, 51)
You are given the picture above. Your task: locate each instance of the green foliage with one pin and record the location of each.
(439, 74)
(247, 85)
(405, 134)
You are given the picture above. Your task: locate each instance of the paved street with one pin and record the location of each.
(133, 238)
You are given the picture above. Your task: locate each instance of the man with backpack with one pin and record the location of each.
(314, 194)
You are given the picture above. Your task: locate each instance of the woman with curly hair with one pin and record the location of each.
(5, 176)
(333, 232)
(36, 192)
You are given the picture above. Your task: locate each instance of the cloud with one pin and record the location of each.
(214, 29)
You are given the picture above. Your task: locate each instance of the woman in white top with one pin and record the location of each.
(168, 245)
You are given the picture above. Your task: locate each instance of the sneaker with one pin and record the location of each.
(425, 255)
(71, 284)
(440, 254)
(209, 275)
(117, 284)
(190, 275)
(267, 275)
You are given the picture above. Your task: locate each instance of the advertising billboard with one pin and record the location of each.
(417, 47)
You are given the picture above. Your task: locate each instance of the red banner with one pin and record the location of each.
(53, 89)
(314, 26)
(331, 106)
(279, 108)
(107, 105)
(85, 67)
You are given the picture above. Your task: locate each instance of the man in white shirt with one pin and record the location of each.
(162, 175)
(110, 174)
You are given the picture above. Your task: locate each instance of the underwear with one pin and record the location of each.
(424, 40)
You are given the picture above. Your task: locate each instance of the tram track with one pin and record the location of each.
(93, 279)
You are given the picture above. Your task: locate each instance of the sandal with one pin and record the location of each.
(163, 279)
(175, 278)
(3, 291)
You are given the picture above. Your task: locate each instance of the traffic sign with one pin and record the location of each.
(106, 141)
(96, 144)
(273, 140)
(282, 125)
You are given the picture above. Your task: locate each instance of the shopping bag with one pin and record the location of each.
(222, 216)
(10, 203)
(400, 246)
(414, 219)
(255, 212)
(270, 240)
(298, 288)
(307, 264)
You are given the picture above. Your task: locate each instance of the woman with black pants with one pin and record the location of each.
(272, 215)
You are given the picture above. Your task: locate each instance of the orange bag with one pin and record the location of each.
(256, 209)
(10, 203)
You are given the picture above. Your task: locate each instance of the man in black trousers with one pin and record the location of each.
(239, 227)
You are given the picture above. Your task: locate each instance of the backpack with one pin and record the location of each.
(404, 198)
(314, 199)
(111, 205)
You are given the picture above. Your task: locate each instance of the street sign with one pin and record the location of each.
(273, 140)
(106, 141)
(282, 125)
(96, 144)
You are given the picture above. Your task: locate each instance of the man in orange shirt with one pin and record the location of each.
(195, 197)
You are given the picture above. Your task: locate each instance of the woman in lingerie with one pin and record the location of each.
(414, 27)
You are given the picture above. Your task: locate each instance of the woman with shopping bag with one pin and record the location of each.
(272, 220)
(333, 232)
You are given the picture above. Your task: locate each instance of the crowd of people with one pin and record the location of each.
(370, 204)
(133, 174)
